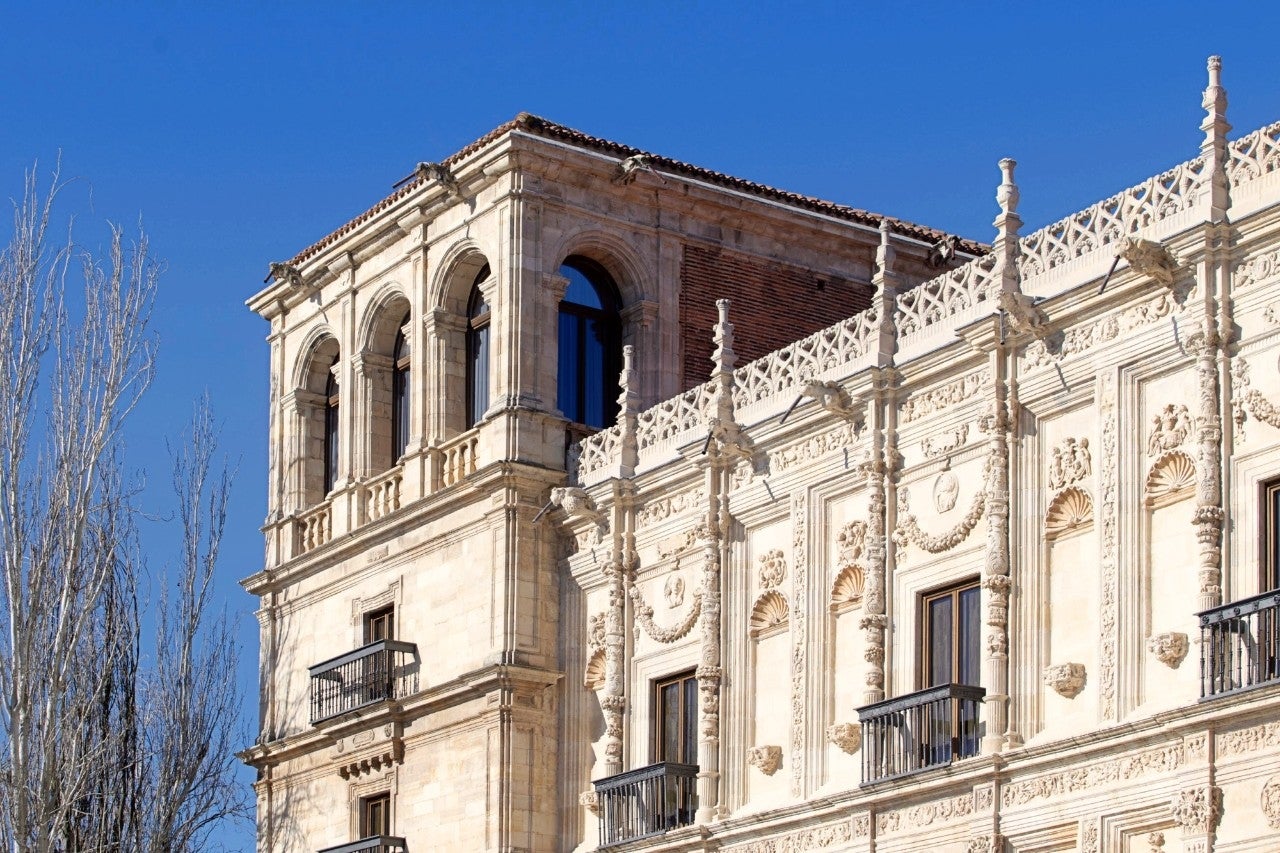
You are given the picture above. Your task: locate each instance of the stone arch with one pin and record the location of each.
(769, 612)
(1171, 478)
(848, 587)
(619, 258)
(1071, 510)
(382, 318)
(320, 341)
(593, 677)
(451, 286)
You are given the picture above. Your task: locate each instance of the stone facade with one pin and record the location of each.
(1067, 440)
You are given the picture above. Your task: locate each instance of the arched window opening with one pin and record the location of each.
(331, 428)
(590, 344)
(477, 351)
(400, 393)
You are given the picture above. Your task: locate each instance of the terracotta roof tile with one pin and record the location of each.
(537, 126)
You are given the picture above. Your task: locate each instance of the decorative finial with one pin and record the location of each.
(1007, 193)
(724, 357)
(628, 399)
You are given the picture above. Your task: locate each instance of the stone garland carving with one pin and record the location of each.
(1247, 401)
(1069, 463)
(908, 530)
(773, 569)
(800, 583)
(935, 400)
(942, 443)
(1169, 429)
(946, 491)
(1066, 679)
(1083, 338)
(1160, 761)
(1269, 802)
(816, 838)
(765, 758)
(1108, 489)
(644, 617)
(1170, 648)
(1196, 810)
(846, 736)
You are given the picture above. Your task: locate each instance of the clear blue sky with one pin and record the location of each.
(244, 132)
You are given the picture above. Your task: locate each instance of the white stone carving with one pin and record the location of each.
(908, 530)
(1196, 810)
(1070, 509)
(944, 441)
(924, 403)
(1169, 648)
(807, 359)
(846, 736)
(946, 491)
(1149, 258)
(814, 447)
(593, 676)
(1041, 353)
(644, 617)
(848, 587)
(1269, 802)
(955, 292)
(1172, 474)
(1066, 679)
(765, 758)
(991, 843)
(1247, 401)
(1257, 269)
(1169, 429)
(1069, 463)
(590, 801)
(851, 543)
(673, 590)
(661, 508)
(773, 568)
(1158, 762)
(1107, 525)
(769, 611)
(1155, 841)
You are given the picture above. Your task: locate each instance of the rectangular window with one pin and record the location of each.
(675, 734)
(375, 815)
(379, 625)
(952, 625)
(1271, 535)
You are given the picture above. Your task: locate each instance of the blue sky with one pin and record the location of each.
(241, 132)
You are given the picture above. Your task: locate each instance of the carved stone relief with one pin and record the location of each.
(846, 736)
(1083, 338)
(992, 843)
(661, 508)
(1197, 810)
(908, 530)
(944, 442)
(1173, 474)
(848, 587)
(1169, 648)
(1169, 429)
(593, 678)
(590, 801)
(673, 590)
(765, 758)
(770, 611)
(1066, 679)
(1247, 401)
(1069, 463)
(1156, 762)
(946, 491)
(773, 569)
(926, 403)
(1107, 524)
(1269, 802)
(1070, 510)
(1256, 269)
(851, 543)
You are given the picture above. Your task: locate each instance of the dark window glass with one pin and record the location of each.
(1271, 535)
(400, 394)
(676, 738)
(477, 351)
(379, 625)
(590, 345)
(952, 626)
(375, 815)
(331, 429)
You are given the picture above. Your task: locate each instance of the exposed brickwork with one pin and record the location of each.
(773, 305)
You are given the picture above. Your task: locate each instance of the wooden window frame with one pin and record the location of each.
(925, 655)
(368, 807)
(374, 619)
(1269, 534)
(658, 732)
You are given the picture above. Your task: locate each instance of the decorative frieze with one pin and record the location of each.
(1257, 269)
(944, 441)
(1196, 810)
(1160, 761)
(814, 838)
(925, 814)
(1041, 353)
(1247, 401)
(660, 508)
(924, 403)
(812, 448)
(1246, 741)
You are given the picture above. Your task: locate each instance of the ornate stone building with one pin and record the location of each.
(891, 541)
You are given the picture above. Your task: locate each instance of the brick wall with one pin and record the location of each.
(773, 305)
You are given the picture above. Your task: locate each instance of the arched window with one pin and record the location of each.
(590, 345)
(400, 393)
(477, 351)
(331, 428)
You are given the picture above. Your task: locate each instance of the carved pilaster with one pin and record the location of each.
(885, 281)
(1196, 812)
(628, 406)
(1208, 517)
(877, 470)
(995, 580)
(612, 695)
(799, 688)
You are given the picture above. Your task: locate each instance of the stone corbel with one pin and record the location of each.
(846, 736)
(590, 801)
(1149, 258)
(832, 397)
(765, 758)
(577, 505)
(1066, 679)
(1022, 314)
(1170, 648)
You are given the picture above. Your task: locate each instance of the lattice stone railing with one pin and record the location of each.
(382, 495)
(947, 298)
(598, 450)
(1252, 156)
(1102, 226)
(673, 419)
(785, 370)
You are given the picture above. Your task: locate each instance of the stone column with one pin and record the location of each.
(878, 470)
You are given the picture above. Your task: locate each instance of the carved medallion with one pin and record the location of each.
(946, 491)
(1270, 802)
(673, 591)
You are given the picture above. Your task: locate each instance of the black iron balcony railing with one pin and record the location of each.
(647, 801)
(372, 844)
(375, 673)
(1240, 645)
(925, 729)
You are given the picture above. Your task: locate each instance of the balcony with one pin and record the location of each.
(645, 802)
(1240, 645)
(372, 844)
(929, 728)
(375, 673)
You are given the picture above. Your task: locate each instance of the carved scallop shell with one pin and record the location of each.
(593, 678)
(1071, 509)
(848, 586)
(770, 611)
(1173, 472)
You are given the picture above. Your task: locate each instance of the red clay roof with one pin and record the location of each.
(537, 126)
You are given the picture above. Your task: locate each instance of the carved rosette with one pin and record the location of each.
(773, 569)
(1196, 810)
(846, 736)
(765, 758)
(1169, 648)
(1066, 679)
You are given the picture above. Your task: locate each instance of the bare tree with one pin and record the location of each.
(103, 747)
